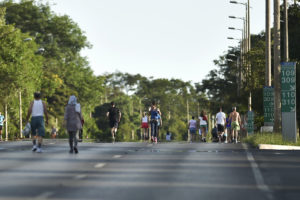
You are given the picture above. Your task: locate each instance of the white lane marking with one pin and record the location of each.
(44, 195)
(80, 176)
(260, 183)
(100, 165)
(117, 156)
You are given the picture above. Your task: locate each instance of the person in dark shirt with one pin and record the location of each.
(114, 116)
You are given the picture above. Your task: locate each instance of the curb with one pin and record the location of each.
(277, 147)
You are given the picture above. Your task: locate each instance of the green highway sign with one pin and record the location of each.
(288, 87)
(268, 104)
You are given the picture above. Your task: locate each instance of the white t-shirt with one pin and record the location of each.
(193, 123)
(221, 117)
(145, 119)
(202, 122)
(37, 108)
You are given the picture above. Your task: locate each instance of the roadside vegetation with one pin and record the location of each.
(268, 138)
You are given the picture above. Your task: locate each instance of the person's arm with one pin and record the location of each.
(29, 111)
(107, 114)
(45, 111)
(160, 121)
(239, 118)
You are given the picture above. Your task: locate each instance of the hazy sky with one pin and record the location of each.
(159, 38)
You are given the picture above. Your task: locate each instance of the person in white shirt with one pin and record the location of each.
(203, 125)
(193, 128)
(37, 110)
(221, 120)
(145, 125)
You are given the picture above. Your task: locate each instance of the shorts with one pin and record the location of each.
(37, 126)
(235, 126)
(145, 125)
(113, 124)
(220, 128)
(1, 127)
(192, 130)
(203, 126)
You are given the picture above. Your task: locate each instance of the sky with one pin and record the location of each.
(159, 38)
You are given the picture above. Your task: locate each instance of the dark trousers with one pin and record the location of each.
(73, 138)
(153, 124)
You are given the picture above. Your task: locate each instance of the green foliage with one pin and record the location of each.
(268, 138)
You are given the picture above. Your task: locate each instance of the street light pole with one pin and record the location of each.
(247, 44)
(268, 77)
(277, 59)
(286, 35)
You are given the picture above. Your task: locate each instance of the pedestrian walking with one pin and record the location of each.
(154, 112)
(228, 129)
(203, 125)
(145, 125)
(221, 119)
(193, 128)
(159, 125)
(2, 120)
(235, 124)
(37, 110)
(73, 118)
(114, 116)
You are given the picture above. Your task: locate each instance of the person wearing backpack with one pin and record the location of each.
(154, 112)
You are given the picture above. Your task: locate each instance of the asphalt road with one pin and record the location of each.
(138, 171)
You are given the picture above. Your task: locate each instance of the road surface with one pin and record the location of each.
(142, 171)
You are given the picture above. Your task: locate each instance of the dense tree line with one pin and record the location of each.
(41, 51)
(221, 83)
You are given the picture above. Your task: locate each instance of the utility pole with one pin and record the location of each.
(20, 113)
(268, 77)
(188, 118)
(277, 60)
(6, 123)
(248, 49)
(286, 33)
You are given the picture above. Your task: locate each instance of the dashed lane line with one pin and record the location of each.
(100, 165)
(117, 156)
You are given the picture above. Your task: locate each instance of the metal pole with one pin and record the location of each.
(268, 77)
(277, 59)
(6, 123)
(248, 29)
(188, 117)
(248, 49)
(20, 112)
(286, 33)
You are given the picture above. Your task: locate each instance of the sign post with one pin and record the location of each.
(288, 101)
(250, 122)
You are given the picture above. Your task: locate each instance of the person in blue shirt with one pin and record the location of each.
(2, 120)
(154, 112)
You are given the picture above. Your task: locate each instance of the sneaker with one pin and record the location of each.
(71, 151)
(155, 139)
(34, 148)
(39, 150)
